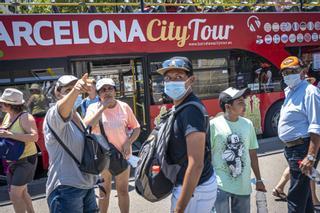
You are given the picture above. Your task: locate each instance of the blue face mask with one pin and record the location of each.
(175, 89)
(292, 80)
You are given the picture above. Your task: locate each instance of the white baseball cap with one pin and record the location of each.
(104, 81)
(65, 80)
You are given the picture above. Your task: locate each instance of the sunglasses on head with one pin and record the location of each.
(176, 63)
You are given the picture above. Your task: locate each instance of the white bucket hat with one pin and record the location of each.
(12, 96)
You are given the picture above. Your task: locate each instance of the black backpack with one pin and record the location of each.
(96, 152)
(155, 186)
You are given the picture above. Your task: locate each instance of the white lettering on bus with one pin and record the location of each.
(215, 32)
(4, 35)
(37, 33)
(121, 33)
(136, 31)
(76, 34)
(196, 27)
(92, 32)
(59, 32)
(21, 30)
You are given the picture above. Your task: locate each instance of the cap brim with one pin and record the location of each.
(163, 71)
(242, 93)
(10, 102)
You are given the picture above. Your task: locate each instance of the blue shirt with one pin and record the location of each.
(86, 102)
(300, 112)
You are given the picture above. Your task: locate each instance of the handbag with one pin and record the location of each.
(96, 154)
(11, 149)
(117, 163)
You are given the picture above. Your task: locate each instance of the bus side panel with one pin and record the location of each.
(257, 106)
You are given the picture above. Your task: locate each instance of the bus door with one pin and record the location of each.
(128, 75)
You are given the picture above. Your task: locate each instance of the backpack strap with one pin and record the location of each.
(206, 120)
(63, 145)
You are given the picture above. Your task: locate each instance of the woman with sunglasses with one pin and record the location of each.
(122, 129)
(21, 126)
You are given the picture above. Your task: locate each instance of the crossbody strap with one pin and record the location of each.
(63, 145)
(103, 133)
(6, 128)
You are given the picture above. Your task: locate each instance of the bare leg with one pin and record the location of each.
(122, 185)
(28, 201)
(283, 180)
(104, 203)
(17, 198)
(315, 199)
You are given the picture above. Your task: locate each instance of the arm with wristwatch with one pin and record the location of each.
(308, 162)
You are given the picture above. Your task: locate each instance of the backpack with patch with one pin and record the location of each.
(154, 176)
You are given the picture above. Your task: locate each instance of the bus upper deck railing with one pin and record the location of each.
(145, 6)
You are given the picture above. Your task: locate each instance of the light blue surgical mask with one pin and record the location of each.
(175, 89)
(292, 80)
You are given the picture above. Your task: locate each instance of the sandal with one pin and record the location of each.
(316, 208)
(278, 194)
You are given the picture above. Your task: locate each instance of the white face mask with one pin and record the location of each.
(175, 89)
(292, 80)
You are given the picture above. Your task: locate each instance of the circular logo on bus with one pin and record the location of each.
(314, 36)
(307, 37)
(284, 38)
(303, 26)
(275, 27)
(310, 25)
(268, 39)
(317, 25)
(276, 39)
(283, 26)
(1, 53)
(292, 38)
(267, 27)
(295, 26)
(288, 26)
(300, 37)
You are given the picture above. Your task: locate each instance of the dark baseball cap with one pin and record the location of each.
(177, 62)
(231, 94)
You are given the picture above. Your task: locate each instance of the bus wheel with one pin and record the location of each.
(272, 119)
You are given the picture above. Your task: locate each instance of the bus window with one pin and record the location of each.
(253, 71)
(211, 77)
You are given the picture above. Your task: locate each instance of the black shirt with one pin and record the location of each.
(189, 120)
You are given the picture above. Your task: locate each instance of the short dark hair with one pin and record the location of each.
(223, 104)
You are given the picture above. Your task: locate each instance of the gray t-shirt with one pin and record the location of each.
(62, 168)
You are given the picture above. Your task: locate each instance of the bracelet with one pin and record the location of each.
(259, 181)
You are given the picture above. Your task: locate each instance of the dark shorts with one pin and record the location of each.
(22, 171)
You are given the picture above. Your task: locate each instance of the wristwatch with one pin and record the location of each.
(311, 158)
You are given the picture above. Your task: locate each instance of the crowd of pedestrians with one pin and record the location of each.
(215, 157)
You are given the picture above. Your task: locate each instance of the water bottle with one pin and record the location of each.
(155, 169)
(261, 202)
(314, 175)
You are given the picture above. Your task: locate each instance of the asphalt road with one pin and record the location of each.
(272, 164)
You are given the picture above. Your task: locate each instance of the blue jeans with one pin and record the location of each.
(239, 203)
(299, 194)
(71, 199)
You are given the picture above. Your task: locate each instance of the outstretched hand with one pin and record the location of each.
(83, 85)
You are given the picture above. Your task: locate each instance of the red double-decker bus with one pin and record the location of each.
(226, 49)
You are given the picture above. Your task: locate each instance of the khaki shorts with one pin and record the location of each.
(22, 171)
